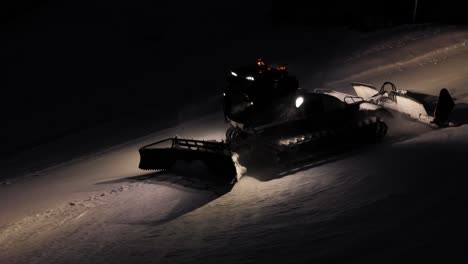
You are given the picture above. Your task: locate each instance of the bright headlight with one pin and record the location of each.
(234, 74)
(299, 101)
(250, 78)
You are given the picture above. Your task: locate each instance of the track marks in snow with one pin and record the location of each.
(433, 57)
(35, 231)
(394, 44)
(84, 229)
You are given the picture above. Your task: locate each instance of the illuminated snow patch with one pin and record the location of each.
(240, 170)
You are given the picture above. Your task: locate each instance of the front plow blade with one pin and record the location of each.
(167, 153)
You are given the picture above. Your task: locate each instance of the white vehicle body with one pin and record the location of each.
(428, 109)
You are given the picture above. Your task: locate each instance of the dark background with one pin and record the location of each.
(364, 15)
(66, 67)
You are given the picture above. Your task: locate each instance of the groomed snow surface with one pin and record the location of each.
(400, 200)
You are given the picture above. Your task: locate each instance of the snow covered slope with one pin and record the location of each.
(399, 200)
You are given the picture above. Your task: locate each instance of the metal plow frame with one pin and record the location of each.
(163, 155)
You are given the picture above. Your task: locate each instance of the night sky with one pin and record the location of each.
(67, 66)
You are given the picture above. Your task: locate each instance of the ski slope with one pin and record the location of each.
(400, 200)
